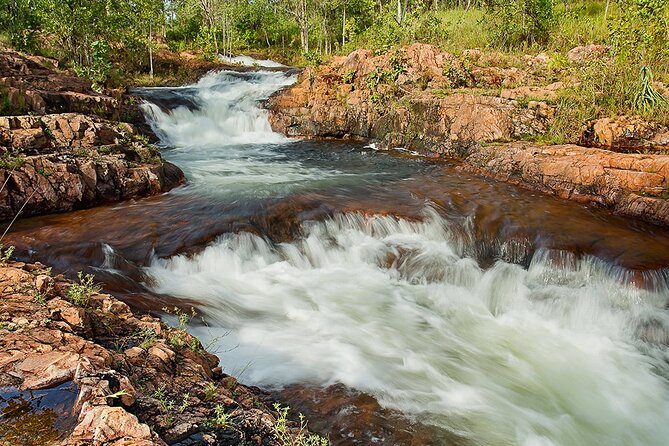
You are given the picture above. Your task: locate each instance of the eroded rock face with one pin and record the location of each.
(64, 161)
(32, 84)
(397, 99)
(626, 133)
(635, 185)
(139, 382)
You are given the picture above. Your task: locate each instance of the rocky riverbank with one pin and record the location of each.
(114, 377)
(65, 146)
(482, 110)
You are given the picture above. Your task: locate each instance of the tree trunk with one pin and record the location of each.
(150, 53)
(343, 28)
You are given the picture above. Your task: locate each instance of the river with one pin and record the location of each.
(432, 305)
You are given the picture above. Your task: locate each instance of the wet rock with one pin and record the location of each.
(635, 185)
(40, 371)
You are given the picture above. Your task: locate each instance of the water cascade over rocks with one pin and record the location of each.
(565, 351)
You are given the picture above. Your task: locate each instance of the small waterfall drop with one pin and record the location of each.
(561, 353)
(222, 110)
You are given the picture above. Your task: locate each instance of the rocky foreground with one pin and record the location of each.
(133, 380)
(65, 146)
(483, 111)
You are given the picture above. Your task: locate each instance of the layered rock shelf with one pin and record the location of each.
(481, 115)
(72, 151)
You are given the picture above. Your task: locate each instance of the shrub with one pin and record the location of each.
(521, 22)
(80, 293)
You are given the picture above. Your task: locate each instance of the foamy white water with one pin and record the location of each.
(226, 111)
(560, 354)
(248, 61)
(565, 352)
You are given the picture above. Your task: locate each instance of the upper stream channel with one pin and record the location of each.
(393, 299)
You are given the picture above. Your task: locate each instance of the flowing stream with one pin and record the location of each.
(491, 314)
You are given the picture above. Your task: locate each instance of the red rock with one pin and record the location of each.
(47, 369)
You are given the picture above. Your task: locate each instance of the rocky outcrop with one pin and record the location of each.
(137, 381)
(422, 99)
(634, 185)
(626, 134)
(55, 163)
(65, 159)
(416, 97)
(33, 84)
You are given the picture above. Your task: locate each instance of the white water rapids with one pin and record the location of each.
(566, 352)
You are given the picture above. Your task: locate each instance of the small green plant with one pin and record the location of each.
(80, 293)
(148, 337)
(302, 438)
(5, 254)
(647, 97)
(221, 418)
(118, 394)
(11, 161)
(348, 76)
(167, 406)
(178, 337)
(458, 75)
(210, 391)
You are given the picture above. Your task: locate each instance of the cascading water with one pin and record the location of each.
(224, 111)
(567, 351)
(558, 354)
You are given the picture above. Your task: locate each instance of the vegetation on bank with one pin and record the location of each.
(113, 41)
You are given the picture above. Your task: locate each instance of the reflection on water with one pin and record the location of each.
(37, 417)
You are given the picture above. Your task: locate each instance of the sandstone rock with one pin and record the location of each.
(328, 102)
(48, 369)
(626, 133)
(630, 184)
(104, 425)
(581, 54)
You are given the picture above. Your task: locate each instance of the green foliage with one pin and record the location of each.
(521, 22)
(10, 160)
(459, 75)
(313, 58)
(285, 437)
(348, 76)
(639, 32)
(647, 98)
(80, 293)
(207, 43)
(99, 69)
(5, 254)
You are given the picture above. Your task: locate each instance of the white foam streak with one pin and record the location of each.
(563, 353)
(227, 112)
